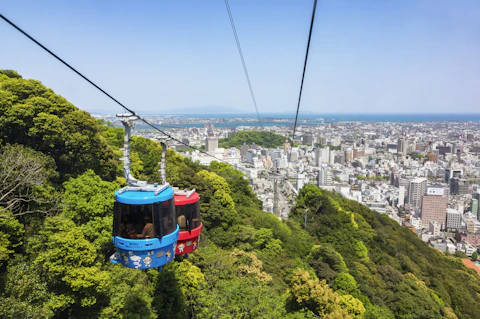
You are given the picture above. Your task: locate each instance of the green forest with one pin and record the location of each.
(59, 168)
(260, 138)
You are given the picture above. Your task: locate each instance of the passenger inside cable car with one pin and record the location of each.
(187, 208)
(145, 221)
(188, 216)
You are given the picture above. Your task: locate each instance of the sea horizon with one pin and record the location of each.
(314, 119)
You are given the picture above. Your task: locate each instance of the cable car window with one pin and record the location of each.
(195, 209)
(182, 217)
(188, 216)
(167, 213)
(134, 221)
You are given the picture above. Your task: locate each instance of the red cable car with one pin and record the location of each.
(187, 208)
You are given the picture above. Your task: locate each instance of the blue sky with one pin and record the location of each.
(378, 56)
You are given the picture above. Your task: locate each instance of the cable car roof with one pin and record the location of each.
(138, 197)
(181, 200)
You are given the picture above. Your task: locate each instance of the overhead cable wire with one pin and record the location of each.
(304, 68)
(239, 47)
(104, 92)
(303, 78)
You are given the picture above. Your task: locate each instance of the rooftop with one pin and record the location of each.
(467, 262)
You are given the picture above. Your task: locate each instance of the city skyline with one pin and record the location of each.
(369, 57)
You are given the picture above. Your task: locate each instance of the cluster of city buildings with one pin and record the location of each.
(424, 175)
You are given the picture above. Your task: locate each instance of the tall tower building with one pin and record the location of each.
(308, 139)
(348, 155)
(459, 186)
(434, 206)
(402, 146)
(322, 140)
(322, 156)
(454, 219)
(209, 128)
(286, 145)
(318, 157)
(401, 196)
(416, 190)
(324, 176)
(474, 207)
(451, 173)
(211, 143)
(358, 152)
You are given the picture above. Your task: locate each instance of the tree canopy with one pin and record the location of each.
(260, 138)
(55, 240)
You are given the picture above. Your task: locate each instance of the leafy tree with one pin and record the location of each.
(34, 116)
(217, 207)
(345, 284)
(460, 254)
(309, 292)
(260, 138)
(11, 236)
(26, 294)
(179, 290)
(88, 196)
(25, 177)
(241, 191)
(353, 306)
(130, 294)
(11, 74)
(397, 274)
(475, 256)
(349, 262)
(68, 261)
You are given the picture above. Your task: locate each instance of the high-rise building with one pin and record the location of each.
(473, 226)
(358, 152)
(211, 143)
(300, 181)
(322, 156)
(293, 157)
(434, 228)
(209, 128)
(331, 155)
(416, 190)
(434, 206)
(401, 196)
(277, 154)
(459, 186)
(308, 139)
(286, 145)
(243, 150)
(474, 207)
(454, 219)
(249, 157)
(340, 158)
(443, 150)
(318, 157)
(336, 141)
(324, 176)
(451, 173)
(402, 146)
(322, 140)
(348, 155)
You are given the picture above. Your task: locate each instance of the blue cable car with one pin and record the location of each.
(145, 231)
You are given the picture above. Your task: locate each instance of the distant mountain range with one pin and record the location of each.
(202, 110)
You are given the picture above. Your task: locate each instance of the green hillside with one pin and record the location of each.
(260, 138)
(391, 266)
(59, 171)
